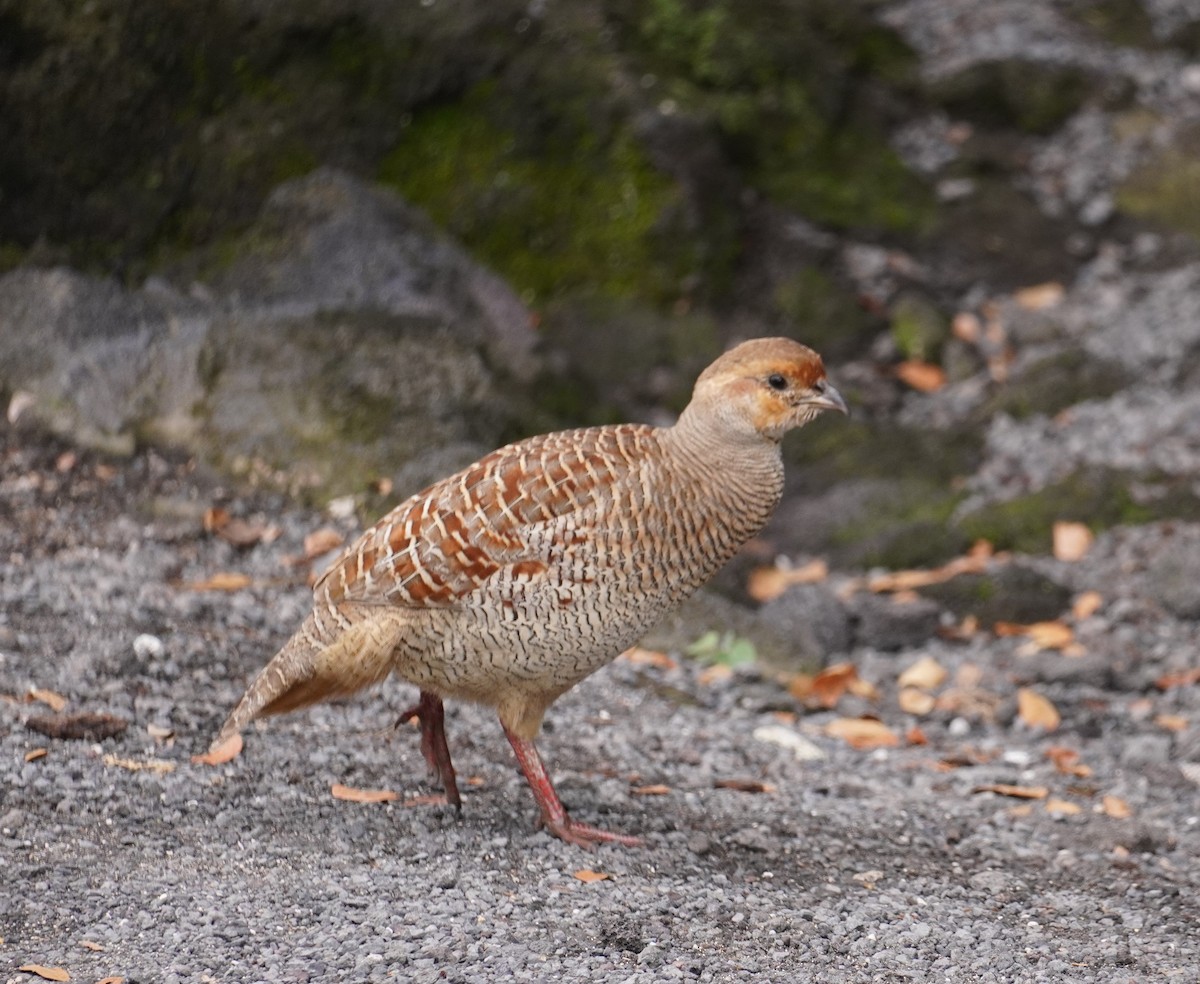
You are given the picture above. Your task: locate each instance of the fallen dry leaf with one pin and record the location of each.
(47, 973)
(1018, 792)
(1086, 605)
(862, 733)
(1062, 807)
(744, 785)
(430, 799)
(244, 533)
(475, 780)
(85, 726)
(1040, 296)
(926, 673)
(227, 751)
(1115, 807)
(161, 766)
(975, 561)
(648, 657)
(1037, 711)
(352, 795)
(1066, 761)
(36, 753)
(321, 541)
(1041, 635)
(56, 702)
(1180, 678)
(714, 674)
(91, 945)
(914, 701)
(653, 790)
(915, 736)
(1071, 541)
(588, 876)
(966, 327)
(833, 681)
(1171, 722)
(925, 377)
(111, 980)
(767, 583)
(221, 581)
(159, 733)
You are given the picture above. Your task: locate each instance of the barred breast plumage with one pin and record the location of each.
(511, 581)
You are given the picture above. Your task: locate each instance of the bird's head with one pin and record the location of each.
(765, 387)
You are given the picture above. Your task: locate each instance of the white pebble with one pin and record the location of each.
(148, 646)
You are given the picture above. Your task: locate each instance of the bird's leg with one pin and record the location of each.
(554, 814)
(432, 715)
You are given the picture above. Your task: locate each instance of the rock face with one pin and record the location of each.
(348, 339)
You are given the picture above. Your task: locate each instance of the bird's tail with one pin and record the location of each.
(327, 658)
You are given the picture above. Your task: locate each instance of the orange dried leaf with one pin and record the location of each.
(352, 795)
(111, 980)
(1169, 722)
(1062, 807)
(966, 327)
(653, 790)
(215, 519)
(714, 674)
(975, 562)
(914, 701)
(862, 733)
(915, 736)
(1115, 807)
(1182, 678)
(766, 583)
(227, 751)
(321, 541)
(36, 753)
(1066, 761)
(744, 785)
(1040, 296)
(46, 973)
(221, 581)
(925, 377)
(56, 702)
(587, 876)
(1018, 792)
(833, 681)
(1086, 605)
(1037, 711)
(91, 945)
(1071, 541)
(926, 673)
(648, 657)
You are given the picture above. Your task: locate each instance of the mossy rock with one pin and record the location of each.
(1122, 22)
(1055, 383)
(1166, 190)
(1031, 96)
(1011, 593)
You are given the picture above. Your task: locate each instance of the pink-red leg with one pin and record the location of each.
(554, 815)
(432, 715)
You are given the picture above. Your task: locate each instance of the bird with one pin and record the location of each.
(508, 583)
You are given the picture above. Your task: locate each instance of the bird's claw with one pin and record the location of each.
(585, 835)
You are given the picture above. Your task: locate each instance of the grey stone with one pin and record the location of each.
(883, 622)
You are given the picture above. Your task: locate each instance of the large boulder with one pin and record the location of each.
(346, 339)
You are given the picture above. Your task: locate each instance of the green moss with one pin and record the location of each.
(782, 85)
(1100, 498)
(1123, 22)
(1167, 189)
(1030, 96)
(1054, 384)
(906, 527)
(587, 217)
(919, 329)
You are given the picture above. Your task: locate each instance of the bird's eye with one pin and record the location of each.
(777, 381)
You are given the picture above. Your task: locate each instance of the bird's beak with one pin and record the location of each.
(829, 399)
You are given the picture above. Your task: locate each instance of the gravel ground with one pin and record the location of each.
(882, 864)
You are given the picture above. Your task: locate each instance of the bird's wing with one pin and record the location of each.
(443, 544)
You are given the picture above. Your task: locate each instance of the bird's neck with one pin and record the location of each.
(738, 470)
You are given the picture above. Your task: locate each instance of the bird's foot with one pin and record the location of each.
(431, 713)
(585, 835)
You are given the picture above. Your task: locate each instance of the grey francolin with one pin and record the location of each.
(510, 582)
